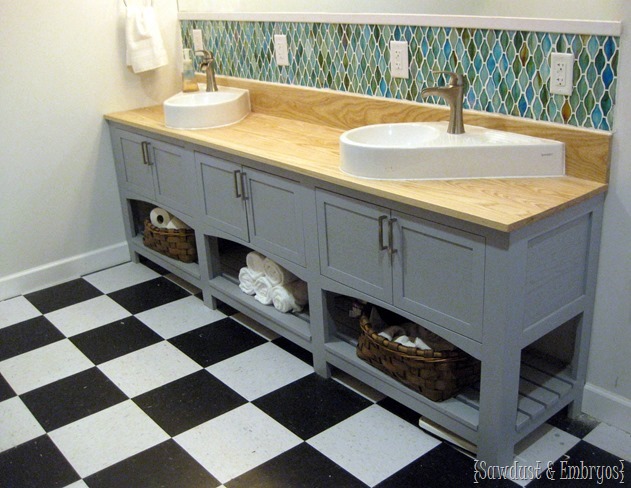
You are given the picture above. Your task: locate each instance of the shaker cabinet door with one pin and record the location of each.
(223, 201)
(134, 171)
(351, 253)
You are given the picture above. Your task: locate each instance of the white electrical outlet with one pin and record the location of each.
(280, 50)
(198, 41)
(399, 65)
(561, 73)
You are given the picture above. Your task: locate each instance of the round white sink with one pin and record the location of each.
(424, 150)
(205, 110)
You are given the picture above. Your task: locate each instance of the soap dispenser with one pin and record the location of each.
(188, 73)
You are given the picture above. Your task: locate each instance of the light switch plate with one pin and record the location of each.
(280, 50)
(561, 73)
(399, 64)
(198, 41)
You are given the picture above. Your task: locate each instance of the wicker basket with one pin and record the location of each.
(437, 375)
(175, 243)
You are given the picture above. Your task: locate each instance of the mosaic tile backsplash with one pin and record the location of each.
(507, 72)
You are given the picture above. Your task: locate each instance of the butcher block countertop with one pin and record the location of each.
(298, 129)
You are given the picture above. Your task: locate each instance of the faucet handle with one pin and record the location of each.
(455, 79)
(208, 55)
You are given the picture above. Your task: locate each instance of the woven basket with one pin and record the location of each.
(175, 243)
(437, 375)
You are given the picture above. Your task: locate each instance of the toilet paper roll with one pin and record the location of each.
(160, 217)
(176, 223)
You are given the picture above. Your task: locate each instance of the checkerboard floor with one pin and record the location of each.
(123, 378)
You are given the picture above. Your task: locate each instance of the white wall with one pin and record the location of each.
(62, 69)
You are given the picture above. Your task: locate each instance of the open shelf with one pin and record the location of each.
(545, 387)
(188, 271)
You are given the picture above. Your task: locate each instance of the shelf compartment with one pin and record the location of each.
(187, 271)
(545, 386)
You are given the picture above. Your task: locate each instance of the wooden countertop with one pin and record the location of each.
(299, 145)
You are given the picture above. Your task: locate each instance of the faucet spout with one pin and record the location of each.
(452, 93)
(208, 65)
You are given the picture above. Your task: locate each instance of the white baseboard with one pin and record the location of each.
(606, 406)
(63, 270)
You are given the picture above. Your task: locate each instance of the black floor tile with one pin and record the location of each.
(149, 294)
(217, 341)
(37, 463)
(64, 295)
(400, 410)
(578, 427)
(311, 405)
(72, 398)
(300, 467)
(152, 266)
(26, 336)
(6, 391)
(188, 402)
(114, 340)
(441, 467)
(163, 466)
(579, 468)
(294, 349)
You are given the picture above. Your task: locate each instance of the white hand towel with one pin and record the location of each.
(254, 261)
(291, 297)
(277, 274)
(404, 341)
(145, 48)
(262, 289)
(418, 342)
(392, 332)
(247, 277)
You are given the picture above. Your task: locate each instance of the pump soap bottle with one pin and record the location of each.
(188, 73)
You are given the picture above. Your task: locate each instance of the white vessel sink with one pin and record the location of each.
(424, 150)
(204, 110)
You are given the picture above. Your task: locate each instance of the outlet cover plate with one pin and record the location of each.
(280, 50)
(561, 73)
(399, 64)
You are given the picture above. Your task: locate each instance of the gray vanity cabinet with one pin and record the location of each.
(428, 269)
(154, 169)
(259, 208)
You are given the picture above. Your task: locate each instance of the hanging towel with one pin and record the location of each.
(254, 261)
(277, 274)
(145, 48)
(290, 297)
(247, 277)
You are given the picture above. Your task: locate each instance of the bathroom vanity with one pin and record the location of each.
(505, 269)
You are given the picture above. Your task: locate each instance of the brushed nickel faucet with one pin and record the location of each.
(452, 93)
(208, 63)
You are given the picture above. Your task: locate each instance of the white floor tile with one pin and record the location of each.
(611, 439)
(43, 366)
(391, 445)
(17, 424)
(15, 310)
(233, 443)
(148, 368)
(87, 315)
(179, 317)
(108, 436)
(260, 370)
(534, 453)
(120, 277)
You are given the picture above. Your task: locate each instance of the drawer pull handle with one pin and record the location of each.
(244, 185)
(235, 174)
(391, 249)
(382, 219)
(144, 145)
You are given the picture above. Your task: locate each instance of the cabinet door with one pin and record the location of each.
(438, 274)
(223, 204)
(134, 172)
(275, 217)
(172, 166)
(350, 251)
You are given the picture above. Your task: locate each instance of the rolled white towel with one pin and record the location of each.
(277, 274)
(262, 290)
(254, 261)
(291, 297)
(404, 341)
(247, 277)
(392, 332)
